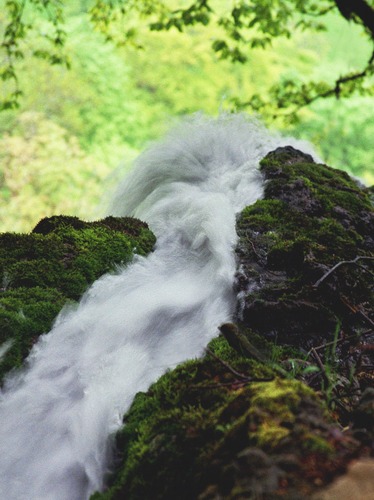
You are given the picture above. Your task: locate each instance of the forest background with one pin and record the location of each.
(77, 129)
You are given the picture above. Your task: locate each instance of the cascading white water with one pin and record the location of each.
(58, 413)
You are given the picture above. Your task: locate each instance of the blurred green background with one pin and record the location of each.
(77, 131)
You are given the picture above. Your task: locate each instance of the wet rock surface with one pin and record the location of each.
(312, 218)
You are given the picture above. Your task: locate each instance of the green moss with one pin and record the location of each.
(313, 443)
(25, 313)
(280, 397)
(199, 415)
(54, 264)
(271, 433)
(29, 246)
(37, 272)
(333, 187)
(289, 234)
(278, 400)
(263, 215)
(222, 349)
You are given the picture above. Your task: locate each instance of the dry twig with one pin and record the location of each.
(341, 340)
(241, 376)
(339, 264)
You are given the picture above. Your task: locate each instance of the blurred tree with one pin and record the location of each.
(245, 24)
(44, 170)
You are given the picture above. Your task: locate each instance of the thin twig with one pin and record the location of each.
(363, 334)
(365, 269)
(253, 248)
(234, 382)
(339, 264)
(320, 365)
(357, 310)
(341, 340)
(366, 318)
(226, 365)
(241, 376)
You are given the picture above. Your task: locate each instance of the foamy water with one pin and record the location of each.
(58, 414)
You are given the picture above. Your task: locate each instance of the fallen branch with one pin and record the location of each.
(226, 365)
(339, 264)
(320, 365)
(357, 310)
(241, 376)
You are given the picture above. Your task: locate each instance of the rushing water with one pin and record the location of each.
(56, 415)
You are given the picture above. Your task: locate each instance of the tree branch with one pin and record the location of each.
(359, 9)
(339, 264)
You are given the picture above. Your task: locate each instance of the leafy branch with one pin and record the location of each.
(244, 26)
(21, 15)
(289, 96)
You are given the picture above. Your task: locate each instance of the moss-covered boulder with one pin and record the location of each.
(311, 219)
(54, 264)
(280, 403)
(306, 257)
(227, 427)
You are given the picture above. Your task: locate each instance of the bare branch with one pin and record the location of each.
(339, 264)
(226, 365)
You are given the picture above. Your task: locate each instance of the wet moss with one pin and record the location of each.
(25, 313)
(54, 264)
(279, 400)
(199, 429)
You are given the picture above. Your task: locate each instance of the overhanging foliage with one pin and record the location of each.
(243, 26)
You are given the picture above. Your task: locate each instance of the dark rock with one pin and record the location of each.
(49, 224)
(288, 155)
(311, 218)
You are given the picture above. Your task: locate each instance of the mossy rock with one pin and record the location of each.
(201, 432)
(311, 218)
(307, 251)
(54, 264)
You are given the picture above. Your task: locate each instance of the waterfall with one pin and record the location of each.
(58, 413)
